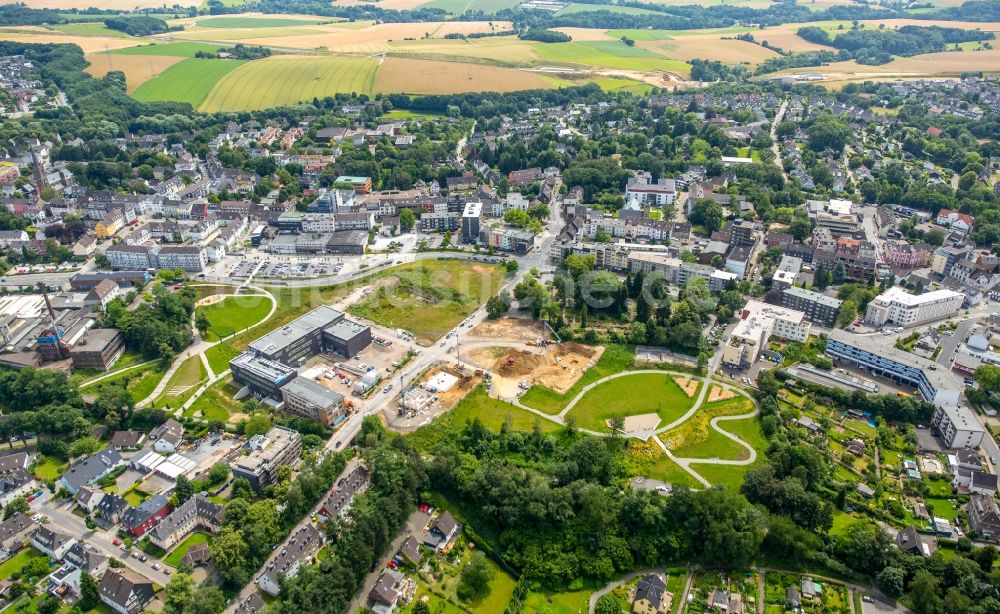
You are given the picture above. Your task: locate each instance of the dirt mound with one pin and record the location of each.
(516, 363)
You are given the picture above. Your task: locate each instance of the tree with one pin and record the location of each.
(407, 219)
(924, 593)
(202, 324)
(231, 556)
(88, 592)
(708, 213)
(934, 237)
(617, 424)
(511, 266)
(218, 473)
(498, 304)
(839, 273)
(892, 580)
(608, 604)
(257, 424)
(420, 608)
(183, 489)
(177, 594)
(49, 605)
(476, 577)
(84, 447)
(822, 278)
(18, 505)
(206, 600)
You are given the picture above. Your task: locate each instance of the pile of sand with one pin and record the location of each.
(718, 393)
(687, 384)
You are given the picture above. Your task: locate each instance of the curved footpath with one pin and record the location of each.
(684, 463)
(199, 347)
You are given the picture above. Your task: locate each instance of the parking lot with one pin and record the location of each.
(341, 376)
(286, 267)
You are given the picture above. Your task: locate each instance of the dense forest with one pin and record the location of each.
(878, 46)
(139, 25)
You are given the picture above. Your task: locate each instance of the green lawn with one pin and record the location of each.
(188, 81)
(841, 520)
(219, 356)
(19, 560)
(174, 557)
(430, 298)
(715, 445)
(615, 359)
(140, 381)
(186, 50)
(573, 602)
(491, 412)
(695, 438)
(216, 403)
(628, 396)
(184, 383)
(730, 476)
(234, 314)
(943, 508)
(47, 469)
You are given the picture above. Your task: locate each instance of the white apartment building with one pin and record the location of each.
(758, 323)
(957, 427)
(899, 307)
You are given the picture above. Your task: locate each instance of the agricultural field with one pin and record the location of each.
(282, 80)
(429, 298)
(188, 81)
(631, 395)
(95, 28)
(414, 76)
(713, 47)
(255, 22)
(138, 69)
(371, 38)
(108, 5)
(611, 8)
(609, 54)
(89, 44)
(945, 63)
(234, 313)
(177, 49)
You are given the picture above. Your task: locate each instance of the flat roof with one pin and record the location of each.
(936, 374)
(816, 297)
(962, 417)
(896, 294)
(756, 315)
(344, 329)
(316, 394)
(276, 340)
(268, 369)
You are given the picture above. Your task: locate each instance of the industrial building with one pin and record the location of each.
(323, 329)
(98, 348)
(280, 446)
(758, 322)
(876, 356)
(898, 307)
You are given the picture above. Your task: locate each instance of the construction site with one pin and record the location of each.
(437, 390)
(515, 369)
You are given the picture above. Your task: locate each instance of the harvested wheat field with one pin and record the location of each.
(108, 5)
(137, 68)
(710, 47)
(586, 34)
(928, 64)
(393, 5)
(718, 393)
(89, 44)
(337, 38)
(509, 329)
(688, 385)
(786, 38)
(987, 26)
(404, 75)
(505, 49)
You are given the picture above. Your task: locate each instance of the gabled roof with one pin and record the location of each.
(118, 584)
(134, 516)
(651, 589)
(445, 523)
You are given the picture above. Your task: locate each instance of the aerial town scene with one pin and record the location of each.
(499, 307)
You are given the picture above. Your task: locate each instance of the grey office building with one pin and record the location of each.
(818, 307)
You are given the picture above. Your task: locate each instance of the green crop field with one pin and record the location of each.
(184, 50)
(628, 396)
(457, 7)
(88, 29)
(234, 314)
(254, 22)
(624, 10)
(609, 54)
(188, 81)
(283, 81)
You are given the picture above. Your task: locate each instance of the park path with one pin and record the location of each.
(110, 374)
(200, 346)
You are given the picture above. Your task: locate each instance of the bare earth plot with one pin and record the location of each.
(137, 68)
(412, 76)
(503, 49)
